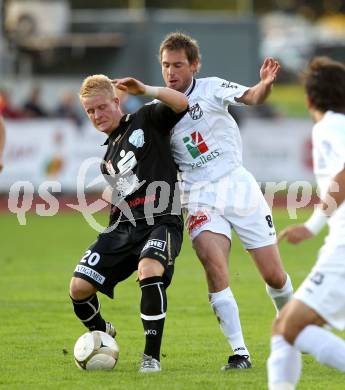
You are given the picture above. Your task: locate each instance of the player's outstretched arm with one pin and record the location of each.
(2, 142)
(335, 195)
(295, 234)
(334, 198)
(177, 101)
(259, 92)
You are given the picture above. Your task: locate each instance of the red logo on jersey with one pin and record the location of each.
(195, 144)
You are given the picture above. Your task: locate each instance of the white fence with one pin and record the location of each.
(278, 149)
(49, 150)
(54, 150)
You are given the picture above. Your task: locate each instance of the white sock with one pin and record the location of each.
(284, 365)
(326, 347)
(282, 295)
(225, 308)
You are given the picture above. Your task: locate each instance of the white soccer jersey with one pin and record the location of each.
(206, 143)
(329, 159)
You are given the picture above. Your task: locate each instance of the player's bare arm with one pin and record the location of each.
(2, 142)
(335, 195)
(259, 92)
(177, 101)
(295, 234)
(334, 198)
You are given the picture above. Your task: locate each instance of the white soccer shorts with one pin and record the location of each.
(233, 202)
(323, 289)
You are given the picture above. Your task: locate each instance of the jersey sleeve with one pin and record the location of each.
(330, 144)
(337, 143)
(163, 117)
(226, 91)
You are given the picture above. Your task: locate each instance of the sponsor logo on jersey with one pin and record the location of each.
(127, 162)
(198, 148)
(195, 112)
(136, 202)
(205, 158)
(228, 84)
(155, 243)
(195, 144)
(90, 273)
(197, 220)
(137, 138)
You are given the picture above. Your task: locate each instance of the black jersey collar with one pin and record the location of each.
(191, 87)
(125, 119)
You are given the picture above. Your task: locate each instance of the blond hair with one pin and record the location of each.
(97, 84)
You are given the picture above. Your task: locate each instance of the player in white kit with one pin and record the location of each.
(320, 299)
(219, 194)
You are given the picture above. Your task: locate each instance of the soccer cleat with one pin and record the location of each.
(237, 362)
(109, 328)
(149, 364)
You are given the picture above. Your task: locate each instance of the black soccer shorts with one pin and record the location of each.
(115, 255)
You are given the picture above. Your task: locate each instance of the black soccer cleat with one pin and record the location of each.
(237, 362)
(109, 328)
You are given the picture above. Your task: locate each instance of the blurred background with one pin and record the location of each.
(47, 47)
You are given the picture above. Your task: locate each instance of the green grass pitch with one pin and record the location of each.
(38, 328)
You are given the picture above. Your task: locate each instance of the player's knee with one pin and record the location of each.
(285, 326)
(276, 279)
(277, 325)
(81, 289)
(148, 268)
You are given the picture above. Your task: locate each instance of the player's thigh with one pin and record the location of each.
(268, 262)
(323, 289)
(212, 249)
(81, 288)
(211, 237)
(149, 267)
(293, 318)
(162, 245)
(108, 261)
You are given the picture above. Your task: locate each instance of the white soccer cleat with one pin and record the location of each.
(149, 364)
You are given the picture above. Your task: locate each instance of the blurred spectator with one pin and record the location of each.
(32, 107)
(7, 110)
(2, 142)
(67, 108)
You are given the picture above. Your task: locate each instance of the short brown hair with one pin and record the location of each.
(177, 41)
(95, 85)
(324, 82)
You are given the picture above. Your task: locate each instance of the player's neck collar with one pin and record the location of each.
(191, 87)
(124, 119)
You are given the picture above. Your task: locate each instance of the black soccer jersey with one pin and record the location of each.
(139, 166)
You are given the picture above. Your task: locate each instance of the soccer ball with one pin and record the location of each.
(96, 351)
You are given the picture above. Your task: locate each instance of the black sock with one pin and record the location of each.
(88, 311)
(153, 308)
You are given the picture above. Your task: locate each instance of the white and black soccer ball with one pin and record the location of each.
(96, 351)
